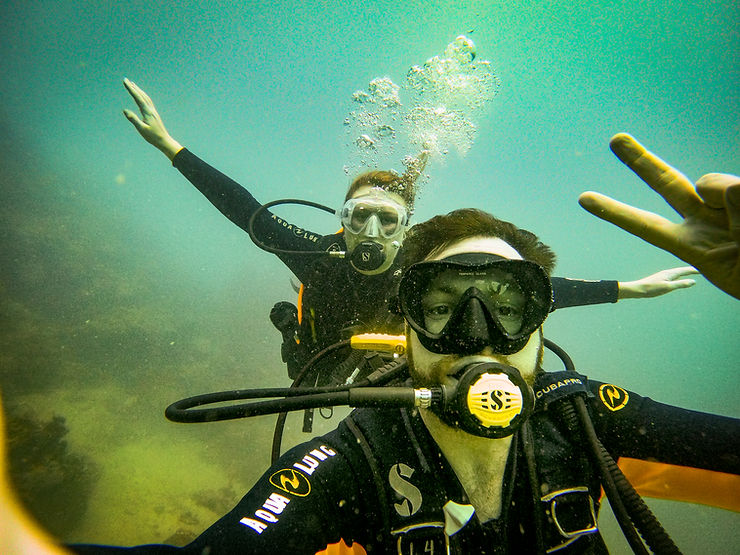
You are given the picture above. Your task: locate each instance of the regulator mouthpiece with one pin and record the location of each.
(367, 256)
(489, 400)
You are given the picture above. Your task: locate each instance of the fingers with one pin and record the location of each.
(674, 274)
(681, 284)
(134, 119)
(667, 181)
(712, 186)
(732, 202)
(145, 104)
(722, 191)
(646, 225)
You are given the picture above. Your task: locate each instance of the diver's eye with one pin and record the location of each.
(510, 317)
(388, 219)
(437, 311)
(360, 216)
(509, 311)
(436, 316)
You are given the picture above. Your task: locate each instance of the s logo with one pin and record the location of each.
(614, 398)
(411, 494)
(291, 481)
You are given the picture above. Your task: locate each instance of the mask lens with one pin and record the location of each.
(499, 288)
(389, 216)
(512, 296)
(360, 215)
(389, 221)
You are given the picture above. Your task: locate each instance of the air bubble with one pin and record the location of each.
(385, 131)
(443, 98)
(363, 141)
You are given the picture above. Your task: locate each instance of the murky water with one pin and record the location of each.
(124, 290)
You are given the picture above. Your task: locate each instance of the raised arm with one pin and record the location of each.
(150, 125)
(708, 238)
(229, 197)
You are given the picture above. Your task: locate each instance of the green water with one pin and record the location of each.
(123, 289)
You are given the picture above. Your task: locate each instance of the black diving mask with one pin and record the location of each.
(470, 301)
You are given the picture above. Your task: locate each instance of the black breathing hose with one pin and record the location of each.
(568, 412)
(277, 436)
(631, 512)
(258, 242)
(647, 524)
(560, 352)
(383, 375)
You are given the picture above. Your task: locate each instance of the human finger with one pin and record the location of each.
(648, 226)
(711, 188)
(143, 101)
(664, 179)
(134, 119)
(136, 94)
(681, 284)
(674, 274)
(732, 202)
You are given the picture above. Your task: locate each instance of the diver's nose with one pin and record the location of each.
(472, 327)
(372, 229)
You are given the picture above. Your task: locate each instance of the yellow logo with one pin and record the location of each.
(495, 400)
(614, 398)
(291, 481)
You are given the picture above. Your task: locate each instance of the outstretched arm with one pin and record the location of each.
(708, 238)
(657, 284)
(578, 292)
(150, 125)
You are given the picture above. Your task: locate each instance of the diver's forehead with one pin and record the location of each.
(491, 245)
(365, 191)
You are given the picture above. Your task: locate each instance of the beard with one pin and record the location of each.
(439, 372)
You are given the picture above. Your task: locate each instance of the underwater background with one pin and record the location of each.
(124, 290)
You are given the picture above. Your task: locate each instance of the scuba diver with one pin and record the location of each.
(341, 297)
(434, 479)
(488, 453)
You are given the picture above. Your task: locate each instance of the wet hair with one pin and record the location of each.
(427, 238)
(402, 185)
(386, 180)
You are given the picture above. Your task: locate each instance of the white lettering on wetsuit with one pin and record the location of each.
(275, 503)
(297, 231)
(310, 462)
(272, 507)
(558, 385)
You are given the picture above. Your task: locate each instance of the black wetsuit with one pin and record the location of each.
(337, 301)
(379, 481)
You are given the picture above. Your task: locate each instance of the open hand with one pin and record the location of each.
(150, 125)
(658, 284)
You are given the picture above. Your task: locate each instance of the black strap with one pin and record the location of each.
(534, 484)
(372, 461)
(415, 441)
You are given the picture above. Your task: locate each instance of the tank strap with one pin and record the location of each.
(372, 462)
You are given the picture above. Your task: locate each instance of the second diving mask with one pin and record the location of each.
(374, 215)
(470, 301)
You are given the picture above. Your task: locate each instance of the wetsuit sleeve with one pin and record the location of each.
(638, 427)
(578, 292)
(308, 501)
(238, 205)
